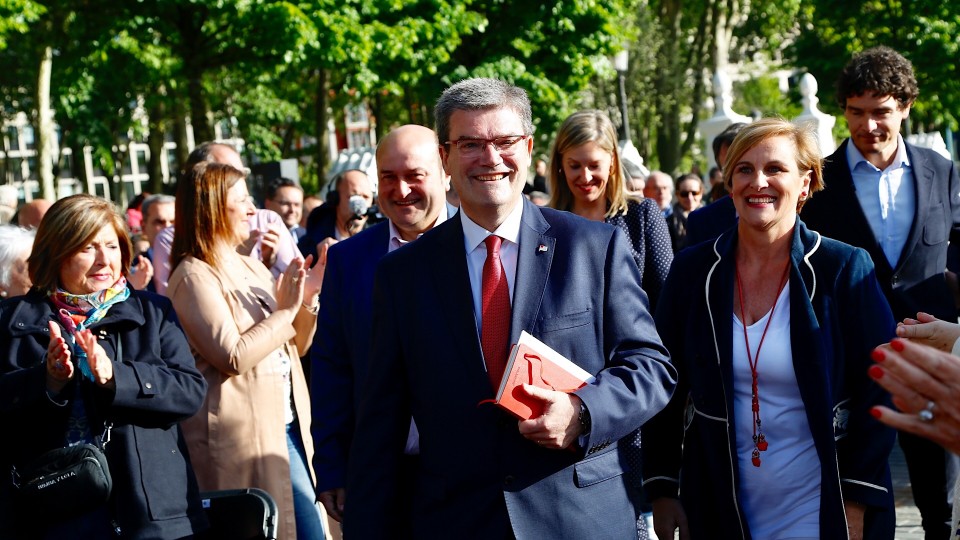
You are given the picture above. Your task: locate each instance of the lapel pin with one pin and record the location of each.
(541, 248)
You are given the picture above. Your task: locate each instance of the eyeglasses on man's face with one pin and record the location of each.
(506, 145)
(684, 194)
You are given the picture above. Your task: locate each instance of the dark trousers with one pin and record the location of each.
(927, 466)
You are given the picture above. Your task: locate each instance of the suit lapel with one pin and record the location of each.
(456, 299)
(719, 293)
(922, 180)
(533, 267)
(861, 234)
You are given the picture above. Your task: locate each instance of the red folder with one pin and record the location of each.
(533, 362)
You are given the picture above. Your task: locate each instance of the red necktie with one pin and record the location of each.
(495, 316)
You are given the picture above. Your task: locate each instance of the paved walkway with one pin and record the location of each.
(908, 517)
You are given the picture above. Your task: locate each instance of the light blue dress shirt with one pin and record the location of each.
(888, 198)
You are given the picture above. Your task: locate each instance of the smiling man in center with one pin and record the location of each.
(447, 308)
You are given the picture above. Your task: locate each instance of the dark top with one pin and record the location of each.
(837, 316)
(917, 282)
(650, 245)
(157, 385)
(711, 221)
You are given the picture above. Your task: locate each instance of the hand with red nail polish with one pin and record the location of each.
(919, 378)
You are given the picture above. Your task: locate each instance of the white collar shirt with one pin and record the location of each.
(473, 238)
(888, 198)
(396, 241)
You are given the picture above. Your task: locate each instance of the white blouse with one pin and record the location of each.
(781, 497)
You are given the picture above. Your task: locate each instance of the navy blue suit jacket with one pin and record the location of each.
(837, 316)
(341, 348)
(917, 282)
(711, 221)
(321, 223)
(478, 477)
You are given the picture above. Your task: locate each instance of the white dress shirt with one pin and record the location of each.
(888, 198)
(473, 239)
(395, 240)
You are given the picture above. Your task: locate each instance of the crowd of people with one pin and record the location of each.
(748, 376)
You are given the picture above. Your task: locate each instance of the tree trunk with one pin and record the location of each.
(45, 131)
(374, 110)
(322, 118)
(666, 84)
(155, 140)
(179, 137)
(199, 115)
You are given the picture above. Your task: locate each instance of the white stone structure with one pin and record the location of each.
(822, 123)
(723, 115)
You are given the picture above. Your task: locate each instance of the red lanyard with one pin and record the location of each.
(759, 441)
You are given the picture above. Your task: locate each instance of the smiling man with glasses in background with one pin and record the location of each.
(447, 308)
(689, 198)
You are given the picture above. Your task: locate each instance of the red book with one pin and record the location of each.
(533, 362)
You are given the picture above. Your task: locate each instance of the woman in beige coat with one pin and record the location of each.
(247, 333)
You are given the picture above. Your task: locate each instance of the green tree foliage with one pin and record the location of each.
(275, 69)
(549, 47)
(679, 47)
(927, 32)
(763, 96)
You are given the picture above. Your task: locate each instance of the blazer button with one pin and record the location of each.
(149, 386)
(508, 480)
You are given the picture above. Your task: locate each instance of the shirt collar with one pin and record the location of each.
(855, 157)
(397, 240)
(508, 230)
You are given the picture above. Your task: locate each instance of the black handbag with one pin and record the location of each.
(74, 478)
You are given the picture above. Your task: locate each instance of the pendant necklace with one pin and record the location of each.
(759, 441)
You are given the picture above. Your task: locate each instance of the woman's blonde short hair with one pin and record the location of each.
(67, 227)
(808, 156)
(202, 222)
(578, 129)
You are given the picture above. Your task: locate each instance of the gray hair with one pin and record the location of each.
(159, 198)
(479, 95)
(14, 241)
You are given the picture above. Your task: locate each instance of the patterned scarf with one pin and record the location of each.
(81, 311)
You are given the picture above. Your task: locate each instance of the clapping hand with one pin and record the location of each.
(60, 368)
(929, 330)
(290, 285)
(100, 364)
(140, 273)
(269, 242)
(316, 272)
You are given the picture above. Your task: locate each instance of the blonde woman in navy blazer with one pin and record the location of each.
(700, 452)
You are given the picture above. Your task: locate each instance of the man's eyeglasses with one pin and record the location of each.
(685, 194)
(507, 145)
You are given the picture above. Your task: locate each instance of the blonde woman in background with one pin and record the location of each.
(587, 178)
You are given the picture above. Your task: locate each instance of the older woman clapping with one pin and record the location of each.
(771, 326)
(248, 333)
(82, 354)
